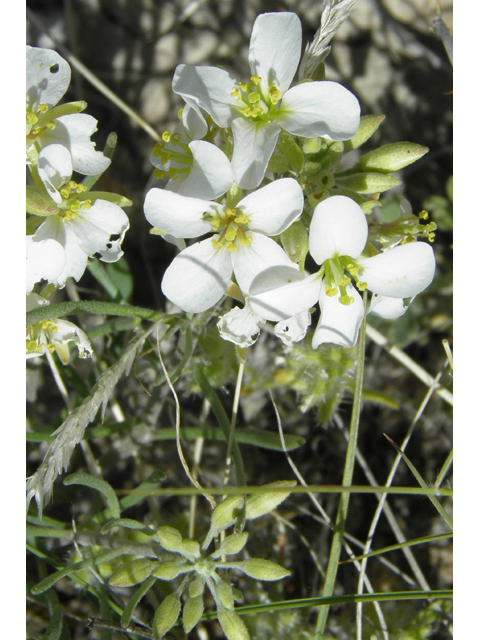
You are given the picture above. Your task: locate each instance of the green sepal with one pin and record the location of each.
(391, 157)
(262, 503)
(295, 243)
(131, 573)
(114, 198)
(171, 569)
(166, 615)
(261, 569)
(278, 163)
(368, 126)
(192, 612)
(65, 109)
(233, 626)
(368, 182)
(39, 203)
(291, 151)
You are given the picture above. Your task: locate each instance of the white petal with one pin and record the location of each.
(388, 308)
(252, 149)
(193, 123)
(293, 329)
(275, 49)
(95, 227)
(279, 293)
(73, 131)
(209, 88)
(48, 77)
(240, 326)
(339, 323)
(178, 215)
(401, 272)
(338, 228)
(320, 109)
(198, 277)
(66, 332)
(262, 253)
(54, 169)
(211, 174)
(45, 260)
(273, 208)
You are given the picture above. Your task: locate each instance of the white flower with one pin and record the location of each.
(199, 275)
(338, 235)
(258, 110)
(54, 335)
(240, 326)
(81, 227)
(48, 77)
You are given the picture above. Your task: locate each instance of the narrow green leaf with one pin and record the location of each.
(166, 615)
(135, 599)
(55, 625)
(127, 523)
(87, 480)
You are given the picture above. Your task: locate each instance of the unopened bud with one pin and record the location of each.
(391, 157)
(368, 126)
(371, 182)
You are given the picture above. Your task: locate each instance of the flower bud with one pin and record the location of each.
(371, 182)
(169, 538)
(132, 572)
(166, 615)
(391, 157)
(368, 126)
(263, 569)
(262, 503)
(295, 242)
(291, 151)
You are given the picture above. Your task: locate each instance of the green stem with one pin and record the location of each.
(346, 482)
(50, 312)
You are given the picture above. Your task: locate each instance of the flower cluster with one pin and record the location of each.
(66, 223)
(283, 144)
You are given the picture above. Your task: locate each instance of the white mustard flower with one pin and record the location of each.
(338, 235)
(48, 78)
(198, 277)
(81, 226)
(54, 335)
(258, 110)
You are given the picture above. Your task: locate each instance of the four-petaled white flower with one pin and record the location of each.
(338, 235)
(81, 226)
(198, 277)
(258, 110)
(54, 335)
(48, 77)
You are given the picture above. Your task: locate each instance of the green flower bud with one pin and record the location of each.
(370, 182)
(223, 593)
(291, 151)
(262, 503)
(132, 572)
(170, 538)
(263, 569)
(295, 242)
(166, 615)
(231, 545)
(192, 612)
(40, 203)
(391, 157)
(196, 587)
(312, 145)
(225, 514)
(170, 569)
(233, 626)
(368, 126)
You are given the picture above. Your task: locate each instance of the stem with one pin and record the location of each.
(346, 482)
(49, 312)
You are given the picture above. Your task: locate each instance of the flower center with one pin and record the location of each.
(233, 227)
(37, 121)
(70, 205)
(252, 103)
(336, 280)
(172, 149)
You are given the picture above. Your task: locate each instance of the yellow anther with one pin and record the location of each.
(230, 234)
(51, 125)
(158, 174)
(80, 188)
(244, 86)
(247, 112)
(353, 269)
(173, 173)
(256, 80)
(246, 240)
(43, 108)
(69, 215)
(176, 137)
(241, 219)
(86, 204)
(346, 300)
(362, 286)
(180, 113)
(65, 192)
(344, 281)
(230, 211)
(165, 158)
(274, 94)
(231, 247)
(157, 151)
(166, 136)
(31, 118)
(217, 244)
(215, 222)
(431, 237)
(254, 97)
(331, 291)
(423, 215)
